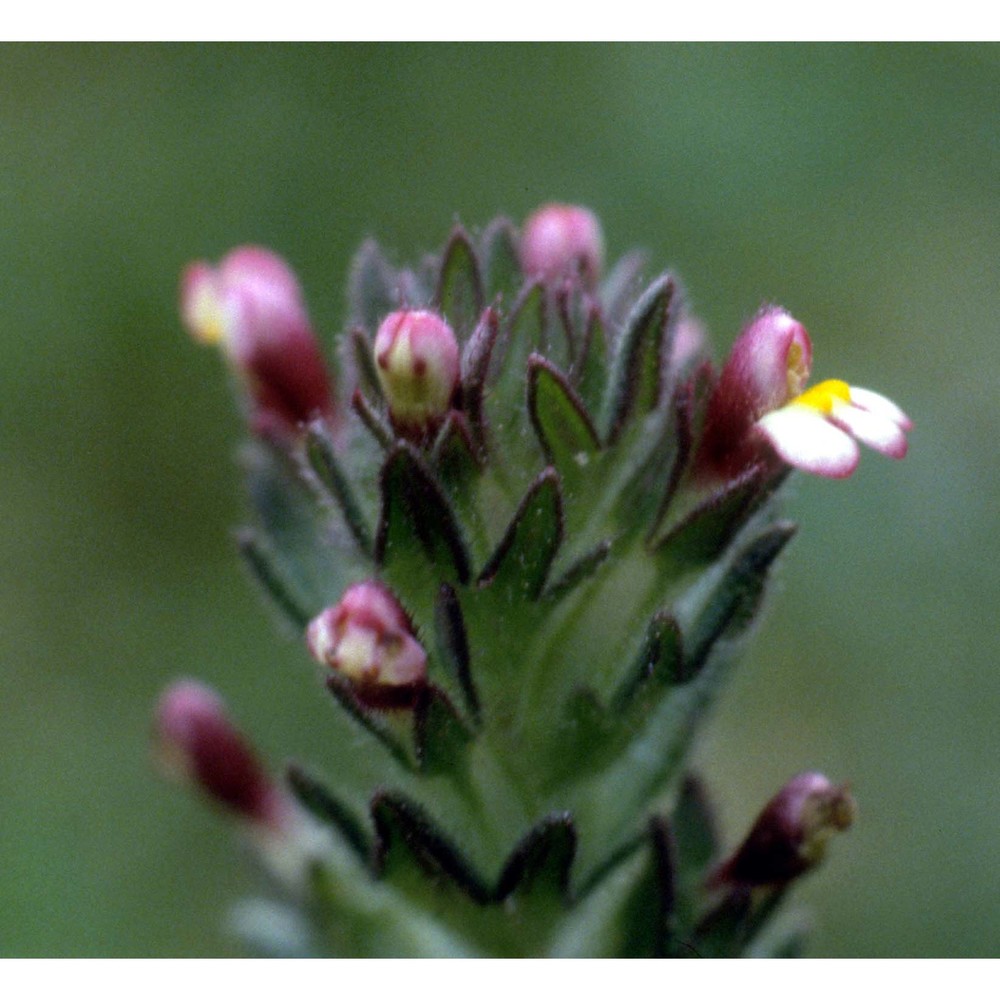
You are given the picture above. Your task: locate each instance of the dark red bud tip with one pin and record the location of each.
(252, 306)
(790, 835)
(196, 743)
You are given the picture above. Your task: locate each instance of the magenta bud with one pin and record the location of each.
(790, 835)
(252, 306)
(767, 366)
(368, 638)
(197, 743)
(416, 356)
(560, 241)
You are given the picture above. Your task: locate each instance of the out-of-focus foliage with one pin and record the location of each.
(856, 185)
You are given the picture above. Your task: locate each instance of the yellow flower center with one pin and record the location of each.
(208, 317)
(797, 372)
(823, 396)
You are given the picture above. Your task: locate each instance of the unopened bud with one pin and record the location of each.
(790, 835)
(562, 241)
(196, 743)
(368, 638)
(416, 356)
(252, 306)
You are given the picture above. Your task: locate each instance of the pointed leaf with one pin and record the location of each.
(592, 734)
(363, 354)
(682, 439)
(693, 823)
(499, 254)
(453, 453)
(560, 420)
(734, 601)
(459, 294)
(658, 666)
(741, 916)
(567, 304)
(723, 930)
(261, 563)
(475, 365)
(590, 371)
(440, 736)
(453, 644)
(522, 333)
(647, 918)
(314, 796)
(371, 287)
(582, 570)
(637, 376)
(417, 521)
(584, 730)
(708, 529)
(292, 523)
(325, 463)
(521, 562)
(597, 925)
(376, 424)
(456, 460)
(358, 916)
(369, 719)
(409, 844)
(540, 864)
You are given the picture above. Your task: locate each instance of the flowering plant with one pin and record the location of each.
(525, 531)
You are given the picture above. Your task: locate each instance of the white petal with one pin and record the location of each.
(871, 428)
(804, 438)
(875, 402)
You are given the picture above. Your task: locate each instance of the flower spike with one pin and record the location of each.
(761, 403)
(251, 305)
(526, 558)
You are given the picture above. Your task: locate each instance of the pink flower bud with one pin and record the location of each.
(369, 639)
(767, 366)
(790, 835)
(251, 305)
(197, 743)
(416, 356)
(560, 241)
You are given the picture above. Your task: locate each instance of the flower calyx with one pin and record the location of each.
(368, 639)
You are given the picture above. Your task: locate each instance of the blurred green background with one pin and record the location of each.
(857, 185)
